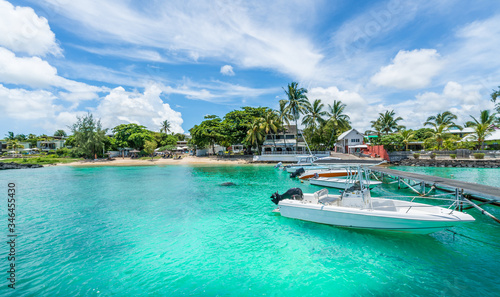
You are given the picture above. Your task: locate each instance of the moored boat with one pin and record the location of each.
(340, 183)
(356, 208)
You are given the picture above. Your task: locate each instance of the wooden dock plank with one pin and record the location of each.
(474, 189)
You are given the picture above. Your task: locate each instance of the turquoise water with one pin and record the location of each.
(174, 231)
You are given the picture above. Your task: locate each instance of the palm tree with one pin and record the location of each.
(165, 127)
(446, 118)
(255, 134)
(296, 105)
(439, 134)
(60, 133)
(482, 127)
(14, 144)
(388, 123)
(337, 117)
(408, 136)
(314, 115)
(284, 117)
(10, 135)
(269, 124)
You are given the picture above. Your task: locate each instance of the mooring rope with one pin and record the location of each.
(475, 239)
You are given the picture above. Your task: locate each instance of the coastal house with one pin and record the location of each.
(50, 145)
(284, 143)
(350, 142)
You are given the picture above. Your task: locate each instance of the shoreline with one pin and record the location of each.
(189, 160)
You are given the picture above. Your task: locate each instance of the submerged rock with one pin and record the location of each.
(12, 165)
(228, 184)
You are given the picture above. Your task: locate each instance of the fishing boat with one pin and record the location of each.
(339, 183)
(355, 208)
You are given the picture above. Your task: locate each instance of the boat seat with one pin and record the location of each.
(329, 200)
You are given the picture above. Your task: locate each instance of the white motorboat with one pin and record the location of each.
(303, 162)
(356, 208)
(340, 183)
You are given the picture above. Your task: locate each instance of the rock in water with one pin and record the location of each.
(228, 184)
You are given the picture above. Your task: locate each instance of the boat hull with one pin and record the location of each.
(423, 223)
(337, 173)
(338, 183)
(294, 168)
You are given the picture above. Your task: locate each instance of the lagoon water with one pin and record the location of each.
(175, 231)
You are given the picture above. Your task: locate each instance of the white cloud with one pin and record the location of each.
(249, 34)
(27, 105)
(227, 70)
(462, 100)
(37, 73)
(22, 30)
(410, 70)
(148, 109)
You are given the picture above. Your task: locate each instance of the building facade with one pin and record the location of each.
(349, 142)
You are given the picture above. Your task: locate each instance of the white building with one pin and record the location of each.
(349, 141)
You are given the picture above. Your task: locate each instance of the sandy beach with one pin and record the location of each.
(188, 160)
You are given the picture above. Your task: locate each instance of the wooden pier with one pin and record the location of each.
(473, 190)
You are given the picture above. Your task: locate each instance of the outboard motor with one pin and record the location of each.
(293, 193)
(297, 172)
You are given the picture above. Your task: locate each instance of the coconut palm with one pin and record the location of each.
(314, 115)
(388, 123)
(284, 117)
(255, 133)
(446, 118)
(297, 104)
(269, 123)
(165, 126)
(439, 134)
(60, 133)
(10, 135)
(14, 144)
(482, 127)
(337, 117)
(408, 136)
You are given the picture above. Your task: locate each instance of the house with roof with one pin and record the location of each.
(284, 143)
(350, 142)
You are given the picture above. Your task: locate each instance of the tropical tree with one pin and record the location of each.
(482, 127)
(387, 123)
(408, 136)
(284, 117)
(10, 135)
(446, 118)
(337, 118)
(269, 123)
(208, 132)
(88, 135)
(314, 114)
(21, 137)
(255, 134)
(439, 134)
(131, 135)
(165, 126)
(14, 144)
(149, 148)
(494, 97)
(296, 105)
(60, 133)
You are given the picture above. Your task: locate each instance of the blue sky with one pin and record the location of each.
(144, 62)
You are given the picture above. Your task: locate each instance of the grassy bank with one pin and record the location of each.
(41, 160)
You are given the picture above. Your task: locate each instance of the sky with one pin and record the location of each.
(129, 61)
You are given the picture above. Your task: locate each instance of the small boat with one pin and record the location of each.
(304, 162)
(357, 209)
(340, 183)
(325, 173)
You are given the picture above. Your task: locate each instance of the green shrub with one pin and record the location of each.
(478, 155)
(453, 156)
(416, 155)
(433, 156)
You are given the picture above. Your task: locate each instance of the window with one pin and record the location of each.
(355, 140)
(269, 137)
(290, 136)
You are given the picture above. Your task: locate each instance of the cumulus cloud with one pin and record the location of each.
(37, 73)
(27, 105)
(227, 70)
(410, 70)
(148, 109)
(22, 30)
